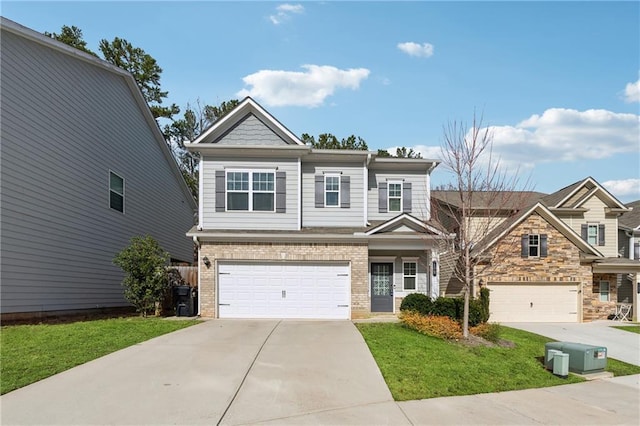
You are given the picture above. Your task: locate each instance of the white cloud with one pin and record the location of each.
(284, 12)
(632, 92)
(309, 88)
(424, 50)
(624, 188)
(427, 152)
(567, 135)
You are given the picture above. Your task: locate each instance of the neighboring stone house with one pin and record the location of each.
(553, 259)
(629, 248)
(84, 168)
(288, 231)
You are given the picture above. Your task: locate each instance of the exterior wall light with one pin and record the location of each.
(206, 261)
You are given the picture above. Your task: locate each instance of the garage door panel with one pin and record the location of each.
(533, 303)
(287, 290)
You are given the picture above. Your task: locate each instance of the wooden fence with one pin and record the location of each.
(189, 274)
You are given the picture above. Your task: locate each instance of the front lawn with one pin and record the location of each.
(416, 366)
(631, 328)
(29, 353)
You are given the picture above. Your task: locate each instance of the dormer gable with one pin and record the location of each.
(577, 195)
(248, 124)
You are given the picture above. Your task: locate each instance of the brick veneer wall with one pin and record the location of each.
(355, 253)
(562, 265)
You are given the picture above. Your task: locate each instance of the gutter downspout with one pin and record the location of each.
(197, 243)
(365, 176)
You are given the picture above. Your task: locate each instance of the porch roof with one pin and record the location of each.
(616, 265)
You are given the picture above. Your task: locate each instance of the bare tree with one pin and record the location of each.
(481, 197)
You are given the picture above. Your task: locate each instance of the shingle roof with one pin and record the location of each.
(490, 200)
(631, 219)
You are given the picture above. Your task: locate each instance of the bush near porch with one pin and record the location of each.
(452, 307)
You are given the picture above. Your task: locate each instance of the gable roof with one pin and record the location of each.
(29, 34)
(246, 107)
(490, 200)
(570, 197)
(510, 224)
(411, 222)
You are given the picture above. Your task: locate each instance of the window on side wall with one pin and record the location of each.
(332, 190)
(116, 192)
(604, 291)
(395, 196)
(409, 275)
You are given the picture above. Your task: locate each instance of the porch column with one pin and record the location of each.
(635, 289)
(434, 270)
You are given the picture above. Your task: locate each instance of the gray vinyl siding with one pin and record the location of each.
(333, 216)
(65, 124)
(419, 193)
(244, 219)
(423, 261)
(250, 131)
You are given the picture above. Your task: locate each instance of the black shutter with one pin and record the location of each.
(319, 188)
(406, 197)
(601, 234)
(524, 252)
(281, 192)
(584, 229)
(382, 197)
(345, 192)
(220, 190)
(543, 245)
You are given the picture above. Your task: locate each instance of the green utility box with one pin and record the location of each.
(583, 359)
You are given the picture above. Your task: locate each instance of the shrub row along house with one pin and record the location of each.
(283, 231)
(84, 168)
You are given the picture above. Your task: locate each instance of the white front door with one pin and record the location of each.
(513, 302)
(284, 290)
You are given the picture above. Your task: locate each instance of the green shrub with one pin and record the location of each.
(436, 326)
(417, 302)
(488, 331)
(484, 300)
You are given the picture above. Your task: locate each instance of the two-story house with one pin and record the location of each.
(84, 168)
(554, 258)
(287, 231)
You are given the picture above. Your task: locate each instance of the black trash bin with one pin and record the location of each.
(185, 301)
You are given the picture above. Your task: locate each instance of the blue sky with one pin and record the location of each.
(557, 82)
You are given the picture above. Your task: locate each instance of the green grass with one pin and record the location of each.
(631, 328)
(416, 366)
(29, 353)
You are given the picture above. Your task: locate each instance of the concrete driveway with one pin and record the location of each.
(284, 372)
(621, 345)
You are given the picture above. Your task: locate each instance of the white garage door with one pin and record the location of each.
(284, 290)
(533, 303)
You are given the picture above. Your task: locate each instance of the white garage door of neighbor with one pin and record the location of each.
(284, 290)
(533, 303)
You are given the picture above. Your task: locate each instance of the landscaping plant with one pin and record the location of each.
(145, 281)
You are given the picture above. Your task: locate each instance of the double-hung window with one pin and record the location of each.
(116, 192)
(250, 191)
(604, 291)
(409, 275)
(332, 190)
(592, 234)
(534, 245)
(395, 196)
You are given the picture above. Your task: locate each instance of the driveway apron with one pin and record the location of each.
(220, 371)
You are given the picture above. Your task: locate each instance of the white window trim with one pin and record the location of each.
(595, 226)
(250, 190)
(410, 260)
(389, 183)
(537, 245)
(110, 190)
(608, 291)
(338, 191)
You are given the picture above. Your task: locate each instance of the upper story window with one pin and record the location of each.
(332, 190)
(116, 192)
(251, 191)
(395, 196)
(409, 275)
(534, 245)
(593, 233)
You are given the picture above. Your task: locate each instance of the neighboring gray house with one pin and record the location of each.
(84, 168)
(629, 248)
(287, 231)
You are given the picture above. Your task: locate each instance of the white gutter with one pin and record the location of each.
(299, 193)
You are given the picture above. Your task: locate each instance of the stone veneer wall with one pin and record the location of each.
(562, 265)
(593, 308)
(355, 253)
